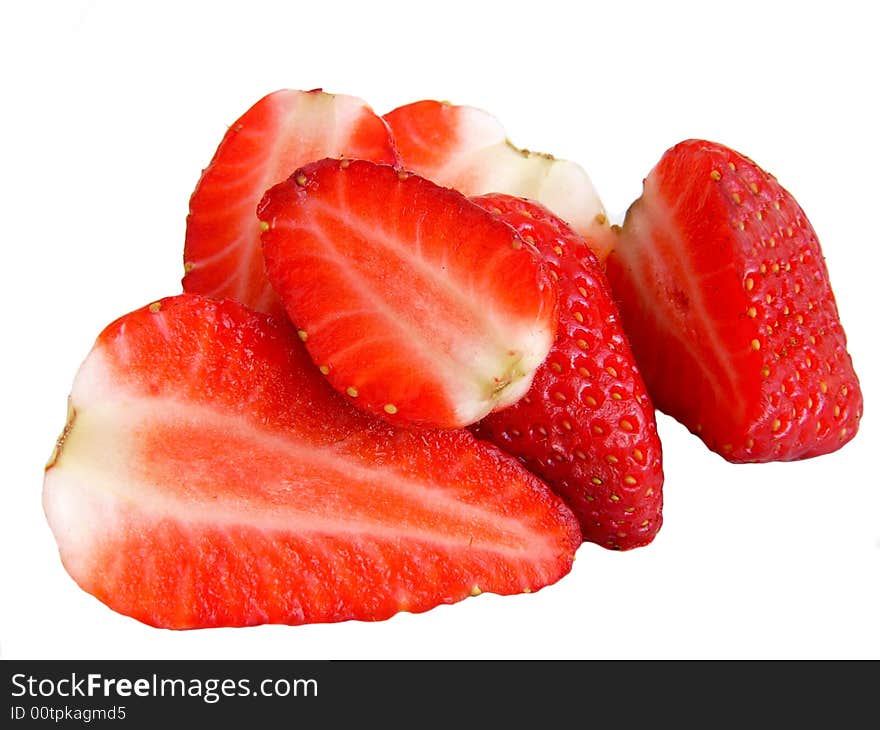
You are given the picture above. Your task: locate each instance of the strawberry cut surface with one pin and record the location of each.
(587, 424)
(413, 301)
(466, 148)
(726, 299)
(208, 476)
(283, 130)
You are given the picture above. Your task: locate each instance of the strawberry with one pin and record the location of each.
(208, 476)
(726, 299)
(286, 129)
(587, 425)
(466, 148)
(415, 302)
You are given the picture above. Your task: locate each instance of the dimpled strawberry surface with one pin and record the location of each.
(726, 298)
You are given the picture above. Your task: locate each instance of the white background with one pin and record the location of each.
(112, 109)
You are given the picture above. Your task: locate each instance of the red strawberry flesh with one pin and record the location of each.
(285, 129)
(726, 299)
(209, 477)
(587, 425)
(415, 302)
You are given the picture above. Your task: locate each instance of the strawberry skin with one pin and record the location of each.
(466, 148)
(417, 304)
(725, 296)
(283, 130)
(587, 425)
(208, 476)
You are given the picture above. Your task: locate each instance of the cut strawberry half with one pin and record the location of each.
(726, 299)
(467, 149)
(207, 476)
(419, 305)
(282, 131)
(587, 425)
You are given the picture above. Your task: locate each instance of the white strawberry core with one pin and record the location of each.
(485, 161)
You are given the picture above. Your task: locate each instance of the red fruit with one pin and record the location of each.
(467, 149)
(725, 297)
(412, 300)
(282, 131)
(587, 425)
(207, 476)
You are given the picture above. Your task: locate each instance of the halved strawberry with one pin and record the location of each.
(282, 131)
(725, 296)
(415, 302)
(207, 476)
(466, 148)
(587, 425)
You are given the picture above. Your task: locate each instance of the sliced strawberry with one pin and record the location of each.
(279, 133)
(467, 149)
(725, 295)
(587, 424)
(207, 476)
(412, 300)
